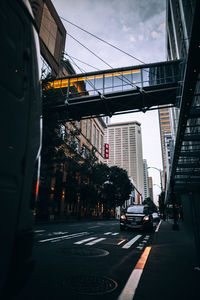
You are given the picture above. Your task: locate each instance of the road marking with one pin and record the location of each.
(131, 242)
(85, 240)
(140, 247)
(107, 233)
(64, 237)
(116, 233)
(59, 232)
(93, 227)
(39, 231)
(157, 228)
(96, 241)
(121, 242)
(130, 288)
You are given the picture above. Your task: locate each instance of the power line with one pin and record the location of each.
(91, 51)
(102, 40)
(81, 61)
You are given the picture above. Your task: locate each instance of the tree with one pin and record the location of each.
(152, 207)
(118, 187)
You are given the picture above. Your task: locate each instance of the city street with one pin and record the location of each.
(83, 260)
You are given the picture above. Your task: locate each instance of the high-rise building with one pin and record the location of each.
(165, 130)
(125, 150)
(146, 180)
(151, 188)
(179, 18)
(178, 26)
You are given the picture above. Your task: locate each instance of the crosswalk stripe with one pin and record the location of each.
(116, 233)
(85, 240)
(64, 237)
(95, 241)
(106, 233)
(132, 241)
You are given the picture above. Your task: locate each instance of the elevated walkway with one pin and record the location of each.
(114, 91)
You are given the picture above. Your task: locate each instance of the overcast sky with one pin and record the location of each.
(135, 26)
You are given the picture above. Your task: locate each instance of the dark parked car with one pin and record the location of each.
(137, 217)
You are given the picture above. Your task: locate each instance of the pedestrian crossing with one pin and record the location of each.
(124, 242)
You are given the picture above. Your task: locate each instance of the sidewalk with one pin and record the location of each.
(169, 271)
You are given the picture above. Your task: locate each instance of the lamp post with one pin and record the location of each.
(159, 170)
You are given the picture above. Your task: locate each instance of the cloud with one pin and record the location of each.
(132, 38)
(140, 37)
(162, 27)
(125, 28)
(154, 34)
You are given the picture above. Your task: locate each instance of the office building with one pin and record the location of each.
(179, 16)
(125, 150)
(165, 130)
(151, 188)
(146, 180)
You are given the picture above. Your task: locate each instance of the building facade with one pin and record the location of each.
(151, 188)
(179, 16)
(146, 180)
(165, 131)
(125, 150)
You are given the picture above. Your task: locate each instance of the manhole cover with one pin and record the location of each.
(94, 252)
(90, 285)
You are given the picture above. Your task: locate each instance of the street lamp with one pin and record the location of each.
(159, 170)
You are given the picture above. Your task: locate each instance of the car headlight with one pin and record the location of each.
(146, 218)
(123, 217)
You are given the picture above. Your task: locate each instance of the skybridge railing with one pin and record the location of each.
(116, 80)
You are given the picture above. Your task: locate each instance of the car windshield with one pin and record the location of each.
(136, 209)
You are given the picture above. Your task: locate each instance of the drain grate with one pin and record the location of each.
(85, 252)
(90, 285)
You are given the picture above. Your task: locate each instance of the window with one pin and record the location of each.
(85, 152)
(97, 139)
(89, 128)
(94, 135)
(77, 145)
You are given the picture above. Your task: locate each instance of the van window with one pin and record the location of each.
(136, 209)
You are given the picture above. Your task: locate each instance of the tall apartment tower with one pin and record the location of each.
(125, 150)
(146, 180)
(151, 188)
(165, 134)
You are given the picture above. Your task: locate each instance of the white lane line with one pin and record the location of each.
(64, 237)
(39, 231)
(93, 227)
(116, 233)
(59, 232)
(106, 233)
(96, 241)
(129, 290)
(157, 228)
(140, 247)
(85, 240)
(131, 242)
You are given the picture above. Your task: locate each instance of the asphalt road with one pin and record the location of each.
(83, 260)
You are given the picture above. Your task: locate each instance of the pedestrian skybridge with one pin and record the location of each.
(114, 91)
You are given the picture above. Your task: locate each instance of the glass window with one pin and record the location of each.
(97, 139)
(137, 209)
